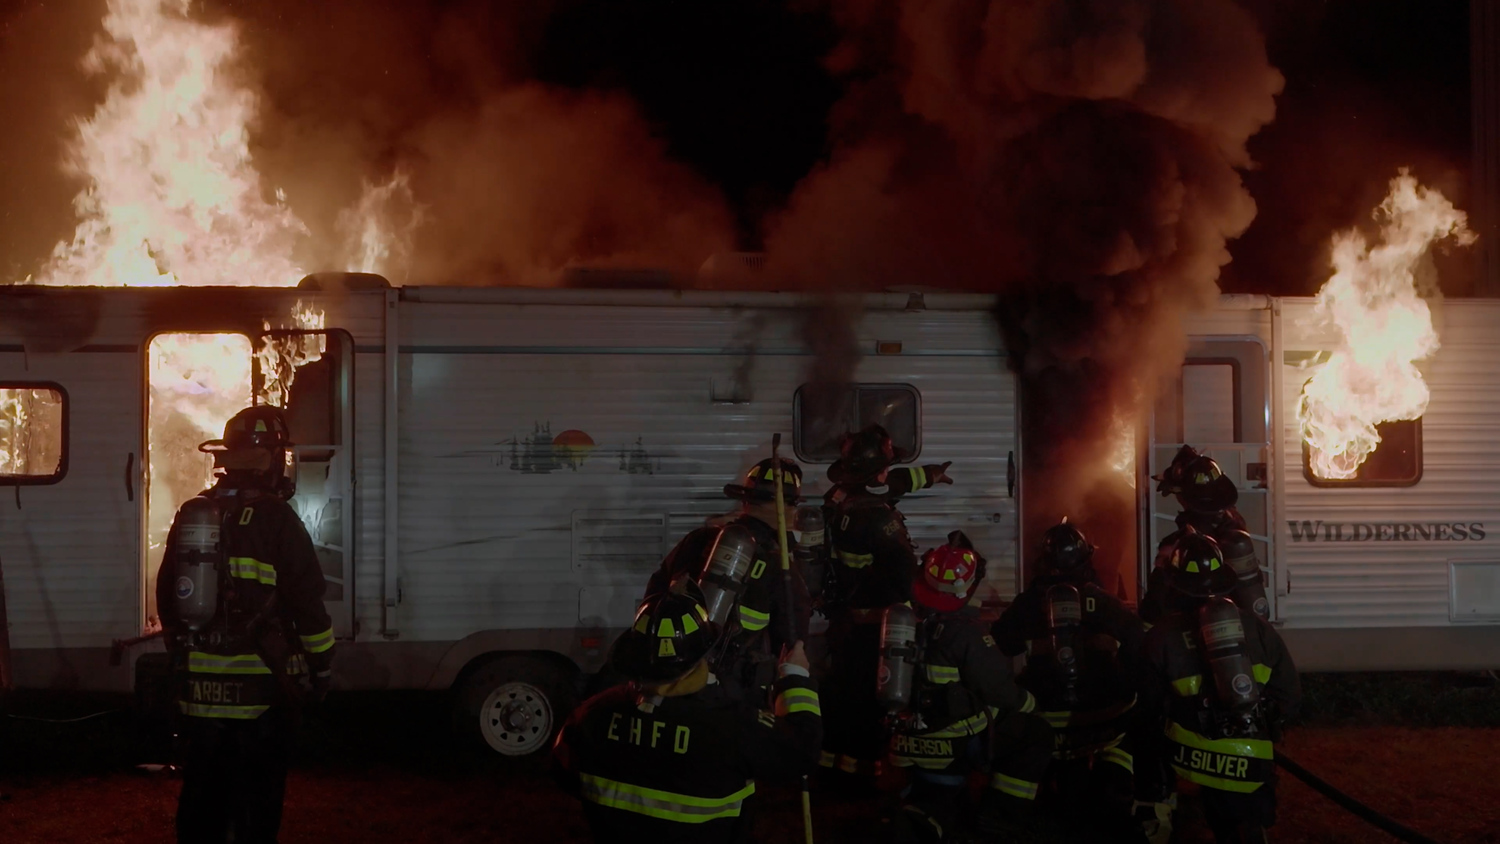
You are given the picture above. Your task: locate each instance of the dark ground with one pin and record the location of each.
(381, 767)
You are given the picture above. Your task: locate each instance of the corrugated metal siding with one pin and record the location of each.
(1389, 583)
(486, 545)
(72, 552)
(369, 492)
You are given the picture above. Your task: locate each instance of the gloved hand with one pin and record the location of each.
(938, 473)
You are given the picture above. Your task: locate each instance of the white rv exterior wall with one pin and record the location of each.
(1391, 583)
(487, 546)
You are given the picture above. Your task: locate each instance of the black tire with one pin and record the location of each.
(510, 709)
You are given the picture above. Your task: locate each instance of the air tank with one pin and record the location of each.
(723, 578)
(898, 658)
(1223, 631)
(195, 569)
(1064, 615)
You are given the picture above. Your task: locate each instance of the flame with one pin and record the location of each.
(378, 229)
(172, 196)
(1122, 452)
(1384, 328)
(280, 355)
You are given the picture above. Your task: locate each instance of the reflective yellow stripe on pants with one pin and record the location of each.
(665, 805)
(1015, 787)
(318, 642)
(215, 710)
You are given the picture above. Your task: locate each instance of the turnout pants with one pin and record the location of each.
(234, 777)
(1237, 818)
(854, 738)
(1016, 751)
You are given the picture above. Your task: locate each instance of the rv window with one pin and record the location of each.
(33, 434)
(1210, 402)
(1397, 461)
(822, 415)
(305, 373)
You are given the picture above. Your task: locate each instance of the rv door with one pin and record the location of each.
(310, 375)
(70, 511)
(1220, 405)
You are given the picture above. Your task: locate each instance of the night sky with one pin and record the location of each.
(740, 92)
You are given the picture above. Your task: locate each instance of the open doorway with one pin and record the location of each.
(195, 382)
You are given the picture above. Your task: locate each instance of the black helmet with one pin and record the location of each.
(1198, 567)
(1065, 549)
(262, 426)
(671, 634)
(760, 482)
(863, 456)
(1198, 482)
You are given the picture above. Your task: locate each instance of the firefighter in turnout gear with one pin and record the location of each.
(962, 710)
(671, 756)
(240, 596)
(1207, 498)
(762, 619)
(872, 565)
(1220, 683)
(1081, 645)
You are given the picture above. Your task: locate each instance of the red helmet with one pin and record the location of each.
(949, 575)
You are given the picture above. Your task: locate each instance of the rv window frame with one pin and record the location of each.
(1236, 385)
(1325, 483)
(65, 443)
(916, 394)
(346, 386)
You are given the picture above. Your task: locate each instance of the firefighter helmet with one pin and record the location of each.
(863, 456)
(261, 426)
(1064, 548)
(1198, 482)
(760, 483)
(670, 636)
(1199, 569)
(948, 577)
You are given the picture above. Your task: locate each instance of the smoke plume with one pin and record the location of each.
(1082, 159)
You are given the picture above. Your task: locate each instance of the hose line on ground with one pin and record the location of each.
(1360, 810)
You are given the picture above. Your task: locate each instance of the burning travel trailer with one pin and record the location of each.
(1008, 259)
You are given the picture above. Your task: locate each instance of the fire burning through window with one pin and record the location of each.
(1383, 326)
(31, 432)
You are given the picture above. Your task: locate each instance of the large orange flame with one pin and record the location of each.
(1383, 325)
(172, 196)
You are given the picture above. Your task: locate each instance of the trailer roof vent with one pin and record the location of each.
(343, 281)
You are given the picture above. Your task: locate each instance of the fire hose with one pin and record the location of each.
(1358, 809)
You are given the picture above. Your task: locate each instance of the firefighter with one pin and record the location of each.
(766, 612)
(872, 565)
(1207, 497)
(240, 596)
(963, 710)
(1081, 645)
(1220, 684)
(671, 755)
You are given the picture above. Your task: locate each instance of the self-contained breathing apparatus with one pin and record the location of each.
(206, 595)
(721, 578)
(899, 658)
(1059, 646)
(1236, 710)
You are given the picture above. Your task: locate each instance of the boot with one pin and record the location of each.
(1155, 819)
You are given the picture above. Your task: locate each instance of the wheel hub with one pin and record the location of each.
(516, 719)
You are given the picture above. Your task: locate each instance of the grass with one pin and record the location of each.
(1401, 699)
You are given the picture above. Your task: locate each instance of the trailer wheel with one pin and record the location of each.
(515, 706)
